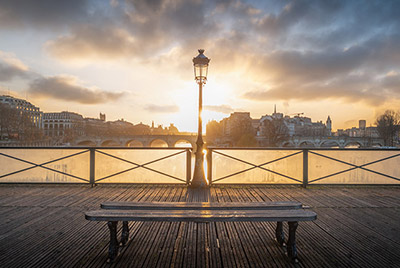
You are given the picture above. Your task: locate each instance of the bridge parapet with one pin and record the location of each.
(136, 140)
(331, 141)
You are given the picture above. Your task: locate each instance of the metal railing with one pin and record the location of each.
(95, 165)
(295, 166)
(303, 166)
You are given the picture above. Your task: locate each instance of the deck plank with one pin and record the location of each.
(44, 226)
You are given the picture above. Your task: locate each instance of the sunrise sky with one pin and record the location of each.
(133, 59)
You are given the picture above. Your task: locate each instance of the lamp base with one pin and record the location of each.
(198, 184)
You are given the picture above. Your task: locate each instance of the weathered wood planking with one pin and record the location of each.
(200, 215)
(43, 226)
(201, 205)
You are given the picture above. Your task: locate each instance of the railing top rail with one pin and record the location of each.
(99, 148)
(302, 148)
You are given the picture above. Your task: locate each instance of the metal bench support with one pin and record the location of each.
(280, 235)
(125, 233)
(114, 245)
(291, 244)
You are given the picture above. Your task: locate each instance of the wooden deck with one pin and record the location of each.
(44, 226)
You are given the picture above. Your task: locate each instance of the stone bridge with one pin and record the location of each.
(333, 141)
(138, 141)
(185, 140)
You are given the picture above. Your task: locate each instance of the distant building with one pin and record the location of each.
(362, 131)
(33, 112)
(103, 117)
(362, 124)
(285, 127)
(172, 129)
(235, 120)
(95, 126)
(160, 130)
(141, 129)
(329, 126)
(59, 124)
(296, 126)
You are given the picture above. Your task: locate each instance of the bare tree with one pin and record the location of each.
(213, 132)
(243, 134)
(388, 126)
(17, 125)
(275, 131)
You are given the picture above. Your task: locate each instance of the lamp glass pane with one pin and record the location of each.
(200, 71)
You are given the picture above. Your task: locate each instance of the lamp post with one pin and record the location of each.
(200, 64)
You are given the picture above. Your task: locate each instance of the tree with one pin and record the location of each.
(275, 131)
(247, 140)
(17, 124)
(213, 132)
(243, 134)
(388, 126)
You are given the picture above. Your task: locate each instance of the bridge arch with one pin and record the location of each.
(134, 143)
(287, 144)
(86, 143)
(183, 143)
(306, 144)
(110, 143)
(377, 144)
(330, 144)
(158, 143)
(353, 144)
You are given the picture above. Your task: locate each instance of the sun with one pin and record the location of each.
(216, 98)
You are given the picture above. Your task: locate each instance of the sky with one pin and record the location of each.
(132, 59)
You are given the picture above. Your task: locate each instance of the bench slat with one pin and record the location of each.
(282, 205)
(201, 215)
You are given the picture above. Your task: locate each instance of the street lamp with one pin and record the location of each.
(200, 64)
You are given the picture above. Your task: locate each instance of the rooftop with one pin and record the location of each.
(44, 226)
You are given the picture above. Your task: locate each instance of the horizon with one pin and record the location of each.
(133, 59)
(301, 115)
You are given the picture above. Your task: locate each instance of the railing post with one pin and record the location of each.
(209, 166)
(92, 166)
(188, 166)
(305, 168)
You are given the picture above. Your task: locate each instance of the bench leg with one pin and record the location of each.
(125, 233)
(113, 248)
(291, 244)
(279, 234)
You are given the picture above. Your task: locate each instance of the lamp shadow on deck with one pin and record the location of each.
(198, 194)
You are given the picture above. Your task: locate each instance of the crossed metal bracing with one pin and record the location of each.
(354, 167)
(144, 166)
(135, 165)
(255, 166)
(306, 166)
(42, 165)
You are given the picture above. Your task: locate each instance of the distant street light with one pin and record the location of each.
(200, 72)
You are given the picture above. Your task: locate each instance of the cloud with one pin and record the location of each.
(284, 50)
(391, 82)
(93, 41)
(136, 29)
(11, 67)
(351, 74)
(161, 108)
(348, 88)
(66, 88)
(42, 13)
(225, 109)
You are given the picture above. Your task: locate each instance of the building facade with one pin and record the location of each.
(61, 124)
(295, 126)
(33, 112)
(362, 131)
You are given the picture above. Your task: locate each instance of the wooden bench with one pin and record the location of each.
(113, 212)
(202, 205)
